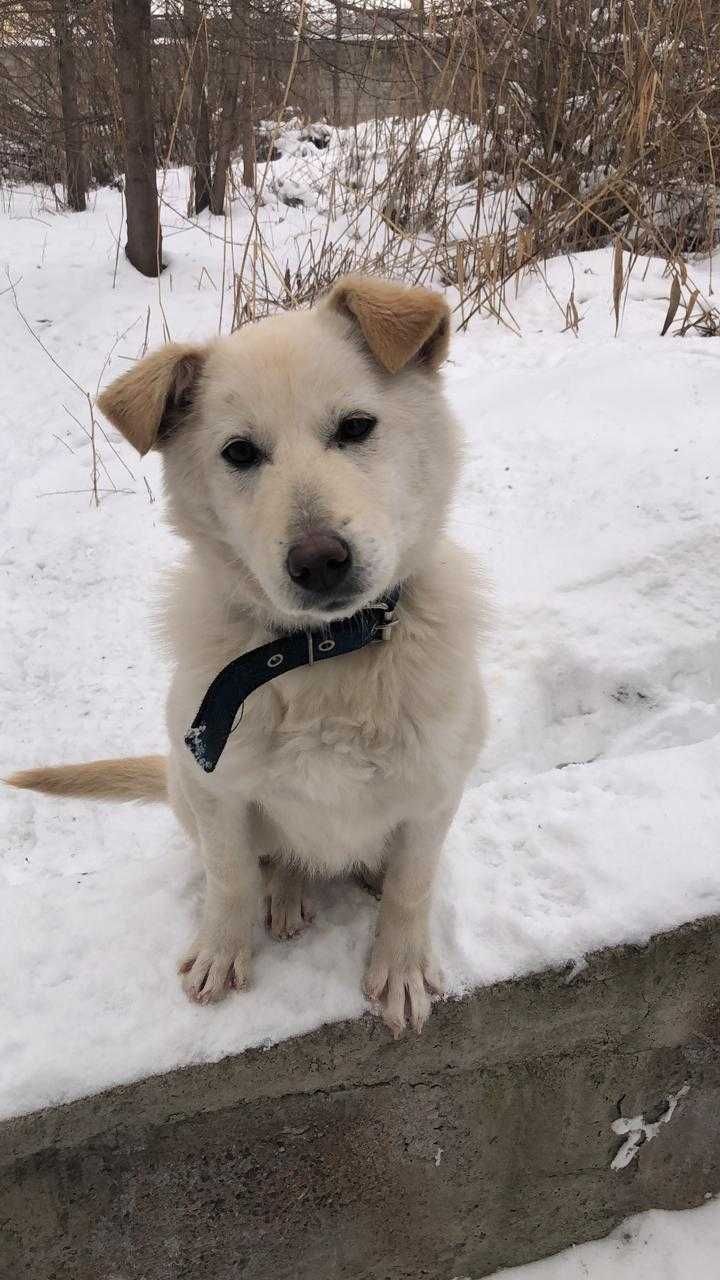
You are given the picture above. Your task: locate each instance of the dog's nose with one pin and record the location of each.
(319, 561)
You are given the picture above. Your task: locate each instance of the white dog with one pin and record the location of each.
(309, 463)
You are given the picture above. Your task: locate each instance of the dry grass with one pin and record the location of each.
(543, 129)
(530, 130)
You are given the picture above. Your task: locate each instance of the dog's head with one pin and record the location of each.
(312, 453)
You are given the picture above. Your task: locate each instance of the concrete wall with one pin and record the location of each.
(376, 78)
(342, 1154)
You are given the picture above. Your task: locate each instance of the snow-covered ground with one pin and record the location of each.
(591, 494)
(651, 1246)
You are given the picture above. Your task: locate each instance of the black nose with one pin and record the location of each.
(319, 561)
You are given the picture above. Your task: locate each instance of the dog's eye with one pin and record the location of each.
(355, 428)
(241, 454)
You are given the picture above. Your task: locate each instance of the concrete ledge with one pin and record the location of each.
(485, 1143)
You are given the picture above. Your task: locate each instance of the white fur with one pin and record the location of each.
(356, 761)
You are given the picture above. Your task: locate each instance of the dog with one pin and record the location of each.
(309, 464)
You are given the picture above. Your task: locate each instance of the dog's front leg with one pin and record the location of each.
(402, 972)
(220, 956)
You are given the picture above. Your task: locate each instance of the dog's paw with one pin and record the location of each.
(403, 987)
(209, 972)
(288, 908)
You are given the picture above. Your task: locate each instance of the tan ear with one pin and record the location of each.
(398, 323)
(147, 401)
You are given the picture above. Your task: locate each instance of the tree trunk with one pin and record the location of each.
(75, 163)
(196, 37)
(236, 117)
(422, 85)
(247, 128)
(227, 131)
(229, 125)
(131, 19)
(336, 64)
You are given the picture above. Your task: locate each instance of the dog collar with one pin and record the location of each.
(214, 722)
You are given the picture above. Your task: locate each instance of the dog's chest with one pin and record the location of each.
(333, 787)
(334, 754)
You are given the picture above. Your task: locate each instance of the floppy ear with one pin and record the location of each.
(398, 323)
(149, 400)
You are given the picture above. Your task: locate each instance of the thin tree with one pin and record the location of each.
(336, 63)
(131, 20)
(197, 45)
(236, 111)
(76, 172)
(229, 100)
(422, 80)
(247, 124)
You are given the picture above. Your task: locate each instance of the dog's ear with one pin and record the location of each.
(398, 323)
(151, 398)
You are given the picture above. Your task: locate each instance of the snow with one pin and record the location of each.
(660, 1245)
(591, 493)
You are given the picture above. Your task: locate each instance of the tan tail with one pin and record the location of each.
(132, 778)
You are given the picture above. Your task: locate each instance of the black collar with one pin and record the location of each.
(213, 723)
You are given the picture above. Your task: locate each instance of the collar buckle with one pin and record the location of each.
(383, 629)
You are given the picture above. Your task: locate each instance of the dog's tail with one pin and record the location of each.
(132, 778)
